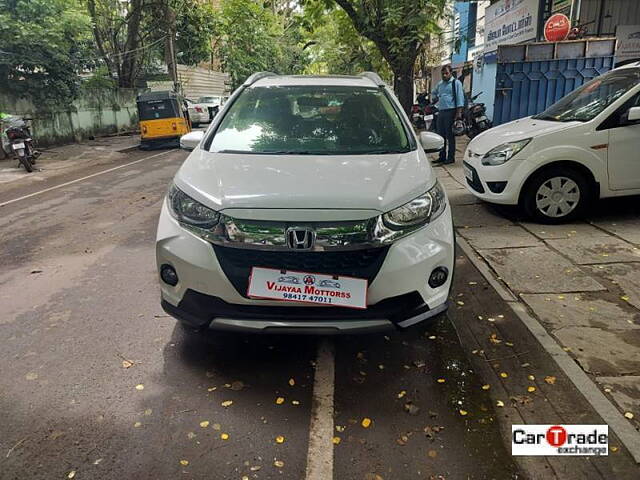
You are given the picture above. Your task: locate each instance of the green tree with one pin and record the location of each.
(334, 45)
(119, 37)
(252, 38)
(44, 45)
(399, 29)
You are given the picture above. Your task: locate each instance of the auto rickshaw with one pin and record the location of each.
(163, 119)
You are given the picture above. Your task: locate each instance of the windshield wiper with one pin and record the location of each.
(545, 117)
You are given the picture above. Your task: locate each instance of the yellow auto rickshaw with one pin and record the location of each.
(163, 119)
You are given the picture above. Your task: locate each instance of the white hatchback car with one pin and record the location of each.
(309, 206)
(585, 146)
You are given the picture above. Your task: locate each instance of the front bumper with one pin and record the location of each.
(499, 184)
(398, 296)
(204, 312)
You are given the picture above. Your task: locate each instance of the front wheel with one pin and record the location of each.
(556, 195)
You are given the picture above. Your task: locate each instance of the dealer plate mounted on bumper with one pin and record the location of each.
(307, 287)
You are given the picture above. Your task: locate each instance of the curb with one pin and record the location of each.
(627, 434)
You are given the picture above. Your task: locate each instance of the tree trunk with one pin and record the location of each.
(403, 85)
(132, 53)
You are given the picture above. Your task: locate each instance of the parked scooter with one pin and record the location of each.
(19, 142)
(475, 117)
(424, 118)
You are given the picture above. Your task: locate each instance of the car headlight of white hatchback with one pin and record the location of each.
(188, 211)
(502, 153)
(419, 211)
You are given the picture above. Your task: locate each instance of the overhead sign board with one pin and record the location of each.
(628, 45)
(510, 21)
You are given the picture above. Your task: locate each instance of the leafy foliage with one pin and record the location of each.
(400, 29)
(335, 47)
(45, 43)
(251, 38)
(195, 26)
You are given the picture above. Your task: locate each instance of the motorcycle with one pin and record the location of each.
(19, 141)
(424, 118)
(475, 117)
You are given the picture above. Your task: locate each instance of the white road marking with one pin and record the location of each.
(9, 202)
(320, 453)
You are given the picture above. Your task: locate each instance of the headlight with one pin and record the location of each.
(419, 211)
(186, 210)
(502, 153)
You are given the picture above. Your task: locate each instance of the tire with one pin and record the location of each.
(26, 163)
(556, 195)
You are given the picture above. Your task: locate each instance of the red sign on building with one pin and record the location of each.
(557, 28)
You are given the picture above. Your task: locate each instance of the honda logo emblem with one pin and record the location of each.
(300, 238)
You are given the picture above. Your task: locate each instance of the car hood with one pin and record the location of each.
(358, 182)
(513, 131)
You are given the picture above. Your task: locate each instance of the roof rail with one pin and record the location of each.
(374, 77)
(257, 76)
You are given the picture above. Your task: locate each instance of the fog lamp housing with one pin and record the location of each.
(169, 275)
(438, 277)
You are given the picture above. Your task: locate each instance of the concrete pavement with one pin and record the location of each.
(580, 281)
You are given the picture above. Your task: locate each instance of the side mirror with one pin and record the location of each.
(431, 142)
(633, 114)
(191, 140)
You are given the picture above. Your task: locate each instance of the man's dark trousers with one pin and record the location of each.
(444, 127)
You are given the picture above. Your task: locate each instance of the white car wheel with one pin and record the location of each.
(557, 197)
(556, 194)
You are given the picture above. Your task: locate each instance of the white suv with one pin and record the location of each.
(585, 146)
(308, 206)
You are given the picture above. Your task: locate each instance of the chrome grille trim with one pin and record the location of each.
(330, 236)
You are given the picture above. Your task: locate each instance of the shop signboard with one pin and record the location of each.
(510, 21)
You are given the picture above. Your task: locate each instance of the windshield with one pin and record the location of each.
(311, 120)
(156, 109)
(209, 100)
(590, 99)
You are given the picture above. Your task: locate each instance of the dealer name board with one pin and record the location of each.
(510, 21)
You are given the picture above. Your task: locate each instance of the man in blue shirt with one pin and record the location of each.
(449, 103)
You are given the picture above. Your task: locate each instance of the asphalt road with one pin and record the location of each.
(96, 382)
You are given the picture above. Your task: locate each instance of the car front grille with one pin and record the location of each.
(237, 262)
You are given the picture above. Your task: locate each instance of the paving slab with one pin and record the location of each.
(499, 237)
(451, 184)
(585, 250)
(626, 276)
(538, 270)
(603, 353)
(626, 228)
(625, 392)
(461, 197)
(480, 215)
(563, 231)
(576, 309)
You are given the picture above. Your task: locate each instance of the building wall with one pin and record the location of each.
(615, 12)
(198, 81)
(93, 113)
(485, 82)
